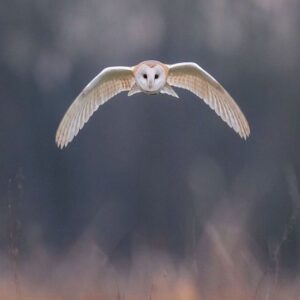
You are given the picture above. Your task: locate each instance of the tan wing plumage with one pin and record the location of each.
(192, 77)
(110, 82)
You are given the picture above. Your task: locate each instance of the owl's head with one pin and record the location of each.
(150, 77)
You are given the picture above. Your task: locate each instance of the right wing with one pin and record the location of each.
(108, 83)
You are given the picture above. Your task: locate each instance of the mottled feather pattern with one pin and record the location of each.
(191, 77)
(106, 85)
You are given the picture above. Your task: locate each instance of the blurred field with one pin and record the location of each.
(222, 265)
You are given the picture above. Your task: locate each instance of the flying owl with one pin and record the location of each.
(150, 77)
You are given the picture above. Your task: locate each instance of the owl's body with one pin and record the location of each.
(150, 77)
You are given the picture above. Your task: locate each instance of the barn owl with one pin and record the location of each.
(150, 77)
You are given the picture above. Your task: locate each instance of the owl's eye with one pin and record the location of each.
(156, 76)
(145, 76)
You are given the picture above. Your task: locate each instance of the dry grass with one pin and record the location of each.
(221, 268)
(222, 265)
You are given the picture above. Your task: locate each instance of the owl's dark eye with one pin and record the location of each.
(145, 76)
(156, 76)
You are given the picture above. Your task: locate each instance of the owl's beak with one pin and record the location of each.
(150, 84)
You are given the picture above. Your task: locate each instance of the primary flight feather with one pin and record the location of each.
(150, 77)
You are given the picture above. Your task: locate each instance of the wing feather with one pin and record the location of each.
(110, 82)
(192, 77)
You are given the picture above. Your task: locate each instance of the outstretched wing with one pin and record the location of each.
(110, 82)
(192, 77)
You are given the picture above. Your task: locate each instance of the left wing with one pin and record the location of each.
(192, 77)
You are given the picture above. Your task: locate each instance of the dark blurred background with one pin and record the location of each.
(149, 170)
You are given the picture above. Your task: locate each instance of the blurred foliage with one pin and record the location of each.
(149, 169)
